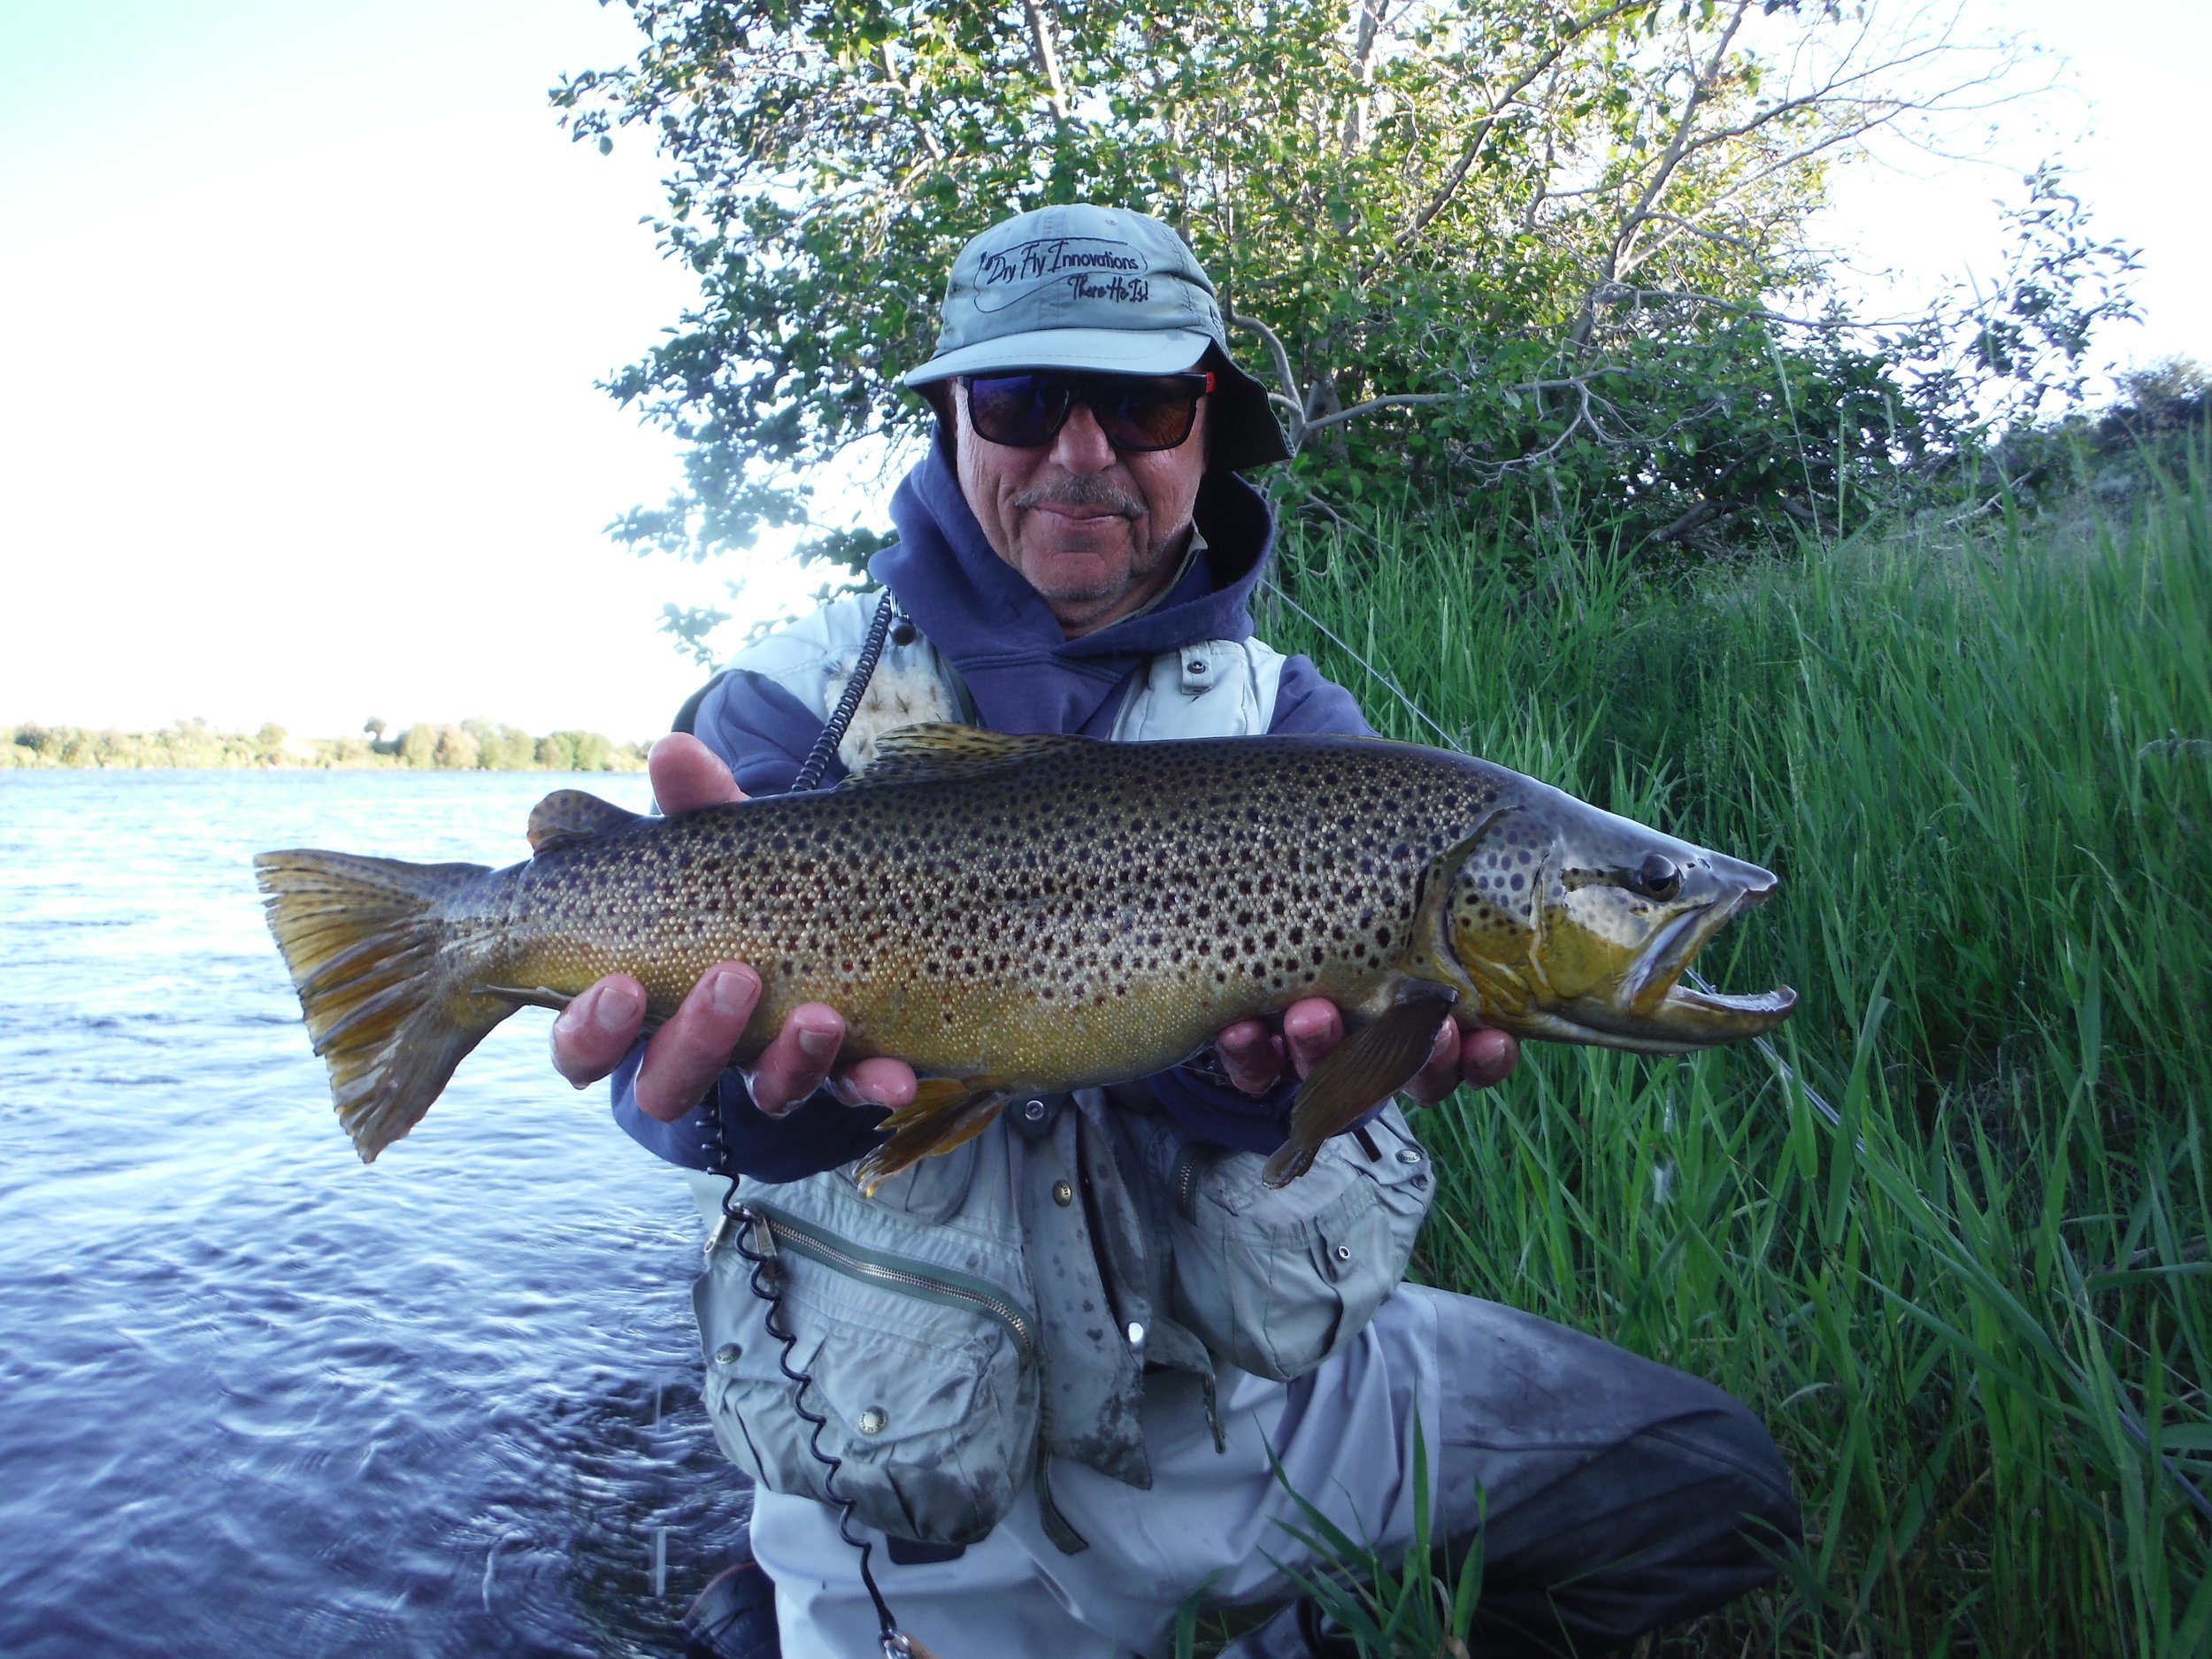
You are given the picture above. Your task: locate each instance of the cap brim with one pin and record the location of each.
(1102, 350)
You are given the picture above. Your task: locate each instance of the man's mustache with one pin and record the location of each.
(1081, 492)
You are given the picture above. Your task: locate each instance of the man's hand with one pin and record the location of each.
(1254, 1054)
(685, 1056)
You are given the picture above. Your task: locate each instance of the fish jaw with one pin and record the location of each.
(1577, 926)
(1653, 1013)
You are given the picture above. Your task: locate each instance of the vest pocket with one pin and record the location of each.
(925, 1379)
(1275, 1281)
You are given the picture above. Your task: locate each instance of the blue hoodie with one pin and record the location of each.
(1024, 675)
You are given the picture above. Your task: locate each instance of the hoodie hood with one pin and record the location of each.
(1002, 637)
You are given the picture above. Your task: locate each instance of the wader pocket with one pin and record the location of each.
(1276, 1280)
(925, 1375)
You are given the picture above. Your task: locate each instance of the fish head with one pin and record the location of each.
(1578, 925)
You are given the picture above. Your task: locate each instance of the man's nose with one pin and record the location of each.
(1080, 444)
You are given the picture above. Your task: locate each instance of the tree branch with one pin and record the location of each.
(906, 95)
(1047, 60)
(1290, 398)
(1402, 400)
(1457, 176)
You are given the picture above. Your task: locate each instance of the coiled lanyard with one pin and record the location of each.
(748, 1229)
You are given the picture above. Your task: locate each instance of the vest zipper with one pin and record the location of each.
(910, 1278)
(1183, 1180)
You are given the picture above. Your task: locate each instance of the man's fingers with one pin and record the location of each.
(876, 1081)
(799, 1060)
(1311, 1028)
(1441, 1075)
(1488, 1057)
(687, 775)
(1251, 1055)
(596, 1030)
(685, 1056)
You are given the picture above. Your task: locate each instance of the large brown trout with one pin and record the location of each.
(1035, 914)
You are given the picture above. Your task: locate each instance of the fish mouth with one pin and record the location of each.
(1654, 1012)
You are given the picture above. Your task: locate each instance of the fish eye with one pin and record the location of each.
(1659, 877)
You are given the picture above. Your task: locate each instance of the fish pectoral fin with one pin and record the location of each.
(940, 749)
(569, 815)
(1368, 1067)
(524, 996)
(944, 1113)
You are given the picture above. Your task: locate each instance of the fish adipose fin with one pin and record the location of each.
(944, 1113)
(366, 942)
(1364, 1070)
(938, 750)
(569, 815)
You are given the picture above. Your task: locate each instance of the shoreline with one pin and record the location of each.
(473, 745)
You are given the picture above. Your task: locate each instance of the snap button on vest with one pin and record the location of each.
(1033, 1119)
(1063, 1193)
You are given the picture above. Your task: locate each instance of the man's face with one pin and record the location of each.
(1097, 533)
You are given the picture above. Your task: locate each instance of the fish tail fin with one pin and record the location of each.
(372, 954)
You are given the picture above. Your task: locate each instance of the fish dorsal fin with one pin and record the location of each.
(569, 815)
(937, 749)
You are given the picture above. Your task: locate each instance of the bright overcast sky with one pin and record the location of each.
(301, 306)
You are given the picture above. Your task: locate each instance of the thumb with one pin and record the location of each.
(687, 775)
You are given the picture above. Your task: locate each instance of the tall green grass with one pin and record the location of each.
(1977, 1316)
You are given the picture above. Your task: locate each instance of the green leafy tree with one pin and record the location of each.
(1461, 237)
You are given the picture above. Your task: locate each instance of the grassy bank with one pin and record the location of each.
(1979, 1317)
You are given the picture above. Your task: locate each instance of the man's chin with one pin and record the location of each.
(1077, 575)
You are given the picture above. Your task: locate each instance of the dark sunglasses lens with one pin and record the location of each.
(1146, 414)
(1021, 410)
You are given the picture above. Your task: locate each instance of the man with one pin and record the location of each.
(1067, 1429)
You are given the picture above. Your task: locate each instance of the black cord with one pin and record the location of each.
(739, 1220)
(765, 1281)
(765, 1284)
(841, 716)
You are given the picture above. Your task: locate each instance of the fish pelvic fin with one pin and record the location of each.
(1364, 1070)
(944, 1113)
(371, 951)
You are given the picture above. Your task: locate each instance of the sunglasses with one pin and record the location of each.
(1137, 412)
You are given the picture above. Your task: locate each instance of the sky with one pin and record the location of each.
(302, 308)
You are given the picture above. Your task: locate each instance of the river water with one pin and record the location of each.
(255, 1397)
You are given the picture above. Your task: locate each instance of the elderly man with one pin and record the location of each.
(1043, 1377)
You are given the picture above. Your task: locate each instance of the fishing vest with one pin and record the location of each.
(996, 1307)
(1211, 688)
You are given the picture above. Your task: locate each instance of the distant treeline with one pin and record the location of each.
(472, 746)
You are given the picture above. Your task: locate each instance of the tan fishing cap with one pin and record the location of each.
(1097, 290)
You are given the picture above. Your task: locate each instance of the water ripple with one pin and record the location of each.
(261, 1399)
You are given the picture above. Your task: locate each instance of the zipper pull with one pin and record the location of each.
(731, 1210)
(760, 1248)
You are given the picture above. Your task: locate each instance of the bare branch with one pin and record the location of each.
(1047, 60)
(1402, 400)
(1457, 176)
(1290, 398)
(1662, 173)
(1363, 72)
(906, 95)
